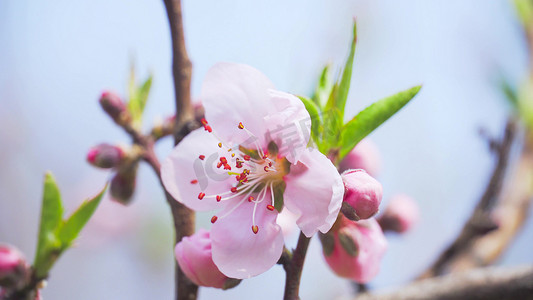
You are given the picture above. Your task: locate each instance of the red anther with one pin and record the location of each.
(241, 126)
(247, 157)
(270, 164)
(219, 198)
(223, 160)
(246, 171)
(202, 157)
(201, 195)
(227, 167)
(265, 156)
(232, 154)
(270, 207)
(204, 121)
(208, 128)
(233, 189)
(238, 177)
(219, 145)
(251, 198)
(265, 168)
(239, 164)
(214, 219)
(194, 181)
(255, 229)
(219, 164)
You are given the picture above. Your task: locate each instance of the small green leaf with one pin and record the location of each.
(324, 87)
(524, 8)
(328, 243)
(344, 85)
(51, 216)
(137, 96)
(371, 117)
(314, 113)
(332, 129)
(144, 91)
(510, 93)
(75, 223)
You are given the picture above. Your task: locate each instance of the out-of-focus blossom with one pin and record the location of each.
(123, 183)
(194, 256)
(13, 267)
(243, 163)
(362, 193)
(364, 156)
(354, 249)
(400, 214)
(105, 156)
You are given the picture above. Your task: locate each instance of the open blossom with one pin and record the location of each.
(249, 162)
(194, 256)
(354, 250)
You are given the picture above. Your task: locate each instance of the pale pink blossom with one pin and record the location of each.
(249, 161)
(364, 156)
(194, 256)
(355, 249)
(400, 214)
(362, 192)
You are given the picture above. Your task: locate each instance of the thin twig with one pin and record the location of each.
(480, 284)
(294, 269)
(481, 221)
(181, 69)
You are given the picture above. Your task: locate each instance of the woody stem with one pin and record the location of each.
(294, 268)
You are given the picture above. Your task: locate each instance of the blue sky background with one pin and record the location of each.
(57, 56)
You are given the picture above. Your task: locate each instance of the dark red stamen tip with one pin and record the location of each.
(194, 181)
(204, 121)
(247, 157)
(270, 207)
(241, 126)
(214, 219)
(255, 229)
(201, 195)
(233, 189)
(202, 157)
(219, 198)
(250, 199)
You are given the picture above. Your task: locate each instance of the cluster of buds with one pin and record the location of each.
(355, 245)
(194, 256)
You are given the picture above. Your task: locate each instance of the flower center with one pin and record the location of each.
(256, 171)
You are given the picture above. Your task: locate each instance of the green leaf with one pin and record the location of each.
(75, 223)
(314, 113)
(510, 92)
(144, 91)
(371, 117)
(524, 8)
(138, 96)
(323, 88)
(344, 85)
(51, 216)
(348, 244)
(279, 189)
(332, 130)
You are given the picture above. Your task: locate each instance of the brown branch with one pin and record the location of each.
(294, 269)
(482, 284)
(181, 70)
(481, 221)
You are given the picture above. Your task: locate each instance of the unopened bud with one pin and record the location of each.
(13, 268)
(194, 256)
(400, 214)
(355, 249)
(123, 183)
(362, 193)
(105, 156)
(364, 156)
(115, 107)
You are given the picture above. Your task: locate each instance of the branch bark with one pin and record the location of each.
(482, 284)
(481, 222)
(294, 268)
(181, 69)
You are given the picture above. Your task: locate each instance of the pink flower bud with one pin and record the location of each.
(105, 156)
(362, 193)
(194, 256)
(12, 266)
(364, 156)
(400, 215)
(355, 249)
(115, 107)
(123, 183)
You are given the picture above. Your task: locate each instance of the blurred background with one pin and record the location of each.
(57, 56)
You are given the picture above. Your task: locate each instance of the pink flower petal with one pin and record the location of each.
(290, 127)
(314, 192)
(233, 93)
(237, 251)
(183, 166)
